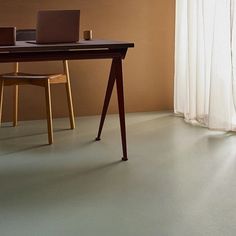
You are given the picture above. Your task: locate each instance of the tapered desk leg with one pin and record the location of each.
(110, 86)
(1, 99)
(120, 96)
(115, 74)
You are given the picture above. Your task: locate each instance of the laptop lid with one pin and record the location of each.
(7, 36)
(58, 26)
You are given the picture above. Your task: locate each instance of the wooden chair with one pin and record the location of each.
(43, 80)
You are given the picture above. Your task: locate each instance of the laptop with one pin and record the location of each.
(58, 26)
(7, 36)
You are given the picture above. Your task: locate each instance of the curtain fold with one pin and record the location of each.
(205, 83)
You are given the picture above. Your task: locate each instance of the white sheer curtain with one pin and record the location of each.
(205, 62)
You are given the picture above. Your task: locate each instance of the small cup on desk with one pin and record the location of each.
(88, 35)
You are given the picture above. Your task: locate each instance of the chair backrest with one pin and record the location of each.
(25, 34)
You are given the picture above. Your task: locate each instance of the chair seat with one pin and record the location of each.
(27, 78)
(20, 75)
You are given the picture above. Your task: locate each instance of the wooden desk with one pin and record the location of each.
(95, 49)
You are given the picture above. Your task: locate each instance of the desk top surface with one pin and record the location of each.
(23, 46)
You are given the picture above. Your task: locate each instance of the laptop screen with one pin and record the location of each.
(58, 26)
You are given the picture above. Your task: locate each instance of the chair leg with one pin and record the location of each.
(16, 102)
(49, 111)
(69, 96)
(1, 98)
(16, 96)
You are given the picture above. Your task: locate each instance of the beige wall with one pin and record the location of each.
(148, 68)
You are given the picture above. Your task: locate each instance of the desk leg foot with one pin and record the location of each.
(97, 139)
(124, 159)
